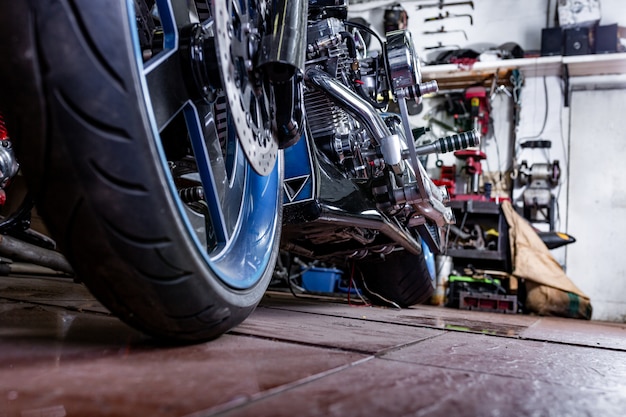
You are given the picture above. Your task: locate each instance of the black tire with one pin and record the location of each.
(72, 89)
(400, 277)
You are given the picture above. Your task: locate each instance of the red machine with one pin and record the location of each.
(479, 108)
(464, 185)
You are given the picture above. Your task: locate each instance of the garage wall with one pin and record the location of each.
(597, 202)
(494, 21)
(590, 206)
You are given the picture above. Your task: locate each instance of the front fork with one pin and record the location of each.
(281, 60)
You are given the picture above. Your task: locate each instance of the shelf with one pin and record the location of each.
(452, 76)
(476, 206)
(605, 64)
(476, 218)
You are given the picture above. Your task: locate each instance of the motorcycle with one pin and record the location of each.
(174, 147)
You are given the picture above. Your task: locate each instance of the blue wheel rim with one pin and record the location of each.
(242, 206)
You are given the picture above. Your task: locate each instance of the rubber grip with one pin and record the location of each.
(457, 142)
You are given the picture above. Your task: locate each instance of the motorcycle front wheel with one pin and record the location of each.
(146, 190)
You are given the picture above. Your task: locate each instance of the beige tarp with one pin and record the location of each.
(531, 258)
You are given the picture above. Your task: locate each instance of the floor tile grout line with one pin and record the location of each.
(232, 405)
(366, 319)
(474, 371)
(573, 344)
(425, 326)
(301, 343)
(381, 353)
(60, 307)
(244, 402)
(378, 353)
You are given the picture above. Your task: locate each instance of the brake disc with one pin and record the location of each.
(237, 41)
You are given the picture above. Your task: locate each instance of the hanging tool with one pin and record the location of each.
(496, 89)
(443, 30)
(517, 80)
(440, 45)
(449, 15)
(441, 4)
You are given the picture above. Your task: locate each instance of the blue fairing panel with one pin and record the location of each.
(299, 180)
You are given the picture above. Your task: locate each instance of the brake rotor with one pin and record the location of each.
(236, 41)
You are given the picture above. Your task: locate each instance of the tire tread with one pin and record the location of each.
(400, 277)
(109, 209)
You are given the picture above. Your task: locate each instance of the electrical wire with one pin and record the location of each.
(367, 29)
(565, 148)
(383, 51)
(546, 151)
(304, 294)
(499, 183)
(350, 284)
(392, 303)
(290, 283)
(545, 118)
(518, 141)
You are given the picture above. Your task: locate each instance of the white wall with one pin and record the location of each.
(595, 262)
(597, 204)
(494, 21)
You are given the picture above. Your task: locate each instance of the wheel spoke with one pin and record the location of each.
(170, 98)
(230, 209)
(211, 175)
(168, 93)
(164, 73)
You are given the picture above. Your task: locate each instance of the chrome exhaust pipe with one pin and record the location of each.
(390, 144)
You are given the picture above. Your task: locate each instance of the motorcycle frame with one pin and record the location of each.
(329, 217)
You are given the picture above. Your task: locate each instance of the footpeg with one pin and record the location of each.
(450, 143)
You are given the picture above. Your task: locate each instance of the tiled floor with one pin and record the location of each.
(61, 354)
